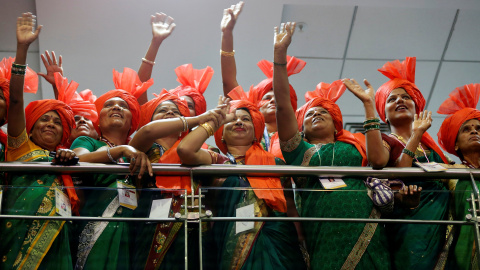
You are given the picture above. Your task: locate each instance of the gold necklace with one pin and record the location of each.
(419, 148)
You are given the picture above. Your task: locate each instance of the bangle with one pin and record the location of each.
(408, 152)
(148, 61)
(185, 123)
(208, 128)
(18, 69)
(224, 53)
(110, 156)
(279, 64)
(373, 120)
(371, 124)
(372, 127)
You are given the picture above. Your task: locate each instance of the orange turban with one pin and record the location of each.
(30, 84)
(37, 108)
(256, 93)
(401, 75)
(68, 94)
(194, 82)
(461, 105)
(149, 108)
(273, 195)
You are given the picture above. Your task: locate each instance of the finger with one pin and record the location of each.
(149, 167)
(429, 116)
(402, 191)
(419, 189)
(143, 165)
(169, 20)
(220, 100)
(42, 74)
(367, 84)
(171, 27)
(161, 17)
(415, 117)
(411, 189)
(54, 58)
(415, 188)
(356, 83)
(60, 60)
(292, 29)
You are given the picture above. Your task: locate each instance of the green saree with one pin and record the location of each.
(330, 243)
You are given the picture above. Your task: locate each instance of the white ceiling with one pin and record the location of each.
(340, 39)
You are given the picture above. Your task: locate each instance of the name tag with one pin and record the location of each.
(160, 208)
(245, 211)
(431, 167)
(332, 183)
(127, 195)
(62, 204)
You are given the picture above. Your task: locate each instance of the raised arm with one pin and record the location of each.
(377, 155)
(189, 150)
(26, 34)
(420, 125)
(288, 127)
(162, 27)
(51, 65)
(227, 55)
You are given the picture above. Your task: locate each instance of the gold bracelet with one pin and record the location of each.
(208, 128)
(145, 60)
(224, 53)
(185, 124)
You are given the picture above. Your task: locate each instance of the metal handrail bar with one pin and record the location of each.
(85, 218)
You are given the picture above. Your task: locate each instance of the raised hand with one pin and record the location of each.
(410, 196)
(230, 16)
(26, 32)
(52, 66)
(364, 95)
(283, 36)
(422, 121)
(162, 26)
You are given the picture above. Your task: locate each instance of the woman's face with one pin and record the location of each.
(166, 110)
(191, 104)
(468, 138)
(47, 131)
(3, 108)
(400, 106)
(240, 131)
(115, 114)
(268, 108)
(84, 127)
(318, 119)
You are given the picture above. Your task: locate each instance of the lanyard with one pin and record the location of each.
(266, 138)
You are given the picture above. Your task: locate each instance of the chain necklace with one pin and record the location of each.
(402, 141)
(319, 146)
(105, 140)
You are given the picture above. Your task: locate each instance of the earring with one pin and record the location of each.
(456, 148)
(223, 140)
(335, 133)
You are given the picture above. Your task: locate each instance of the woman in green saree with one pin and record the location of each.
(43, 127)
(331, 245)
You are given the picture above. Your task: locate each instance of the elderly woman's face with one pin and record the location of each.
(3, 108)
(468, 137)
(268, 109)
(240, 131)
(84, 127)
(316, 119)
(47, 131)
(166, 110)
(400, 106)
(115, 113)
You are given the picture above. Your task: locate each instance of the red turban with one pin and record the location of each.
(149, 108)
(132, 102)
(461, 105)
(30, 84)
(68, 94)
(325, 95)
(256, 93)
(273, 195)
(194, 82)
(37, 108)
(401, 75)
(130, 82)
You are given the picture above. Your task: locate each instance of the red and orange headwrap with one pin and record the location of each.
(30, 84)
(273, 195)
(194, 82)
(149, 108)
(37, 108)
(256, 93)
(68, 94)
(401, 75)
(461, 106)
(325, 95)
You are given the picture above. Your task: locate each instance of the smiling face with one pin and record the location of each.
(318, 121)
(268, 108)
(47, 131)
(191, 104)
(468, 138)
(166, 110)
(3, 108)
(240, 131)
(84, 127)
(399, 107)
(115, 114)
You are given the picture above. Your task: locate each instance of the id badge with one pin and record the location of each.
(431, 167)
(245, 211)
(62, 204)
(127, 195)
(160, 208)
(332, 183)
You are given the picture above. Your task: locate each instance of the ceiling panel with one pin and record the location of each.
(325, 32)
(452, 75)
(386, 33)
(464, 42)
